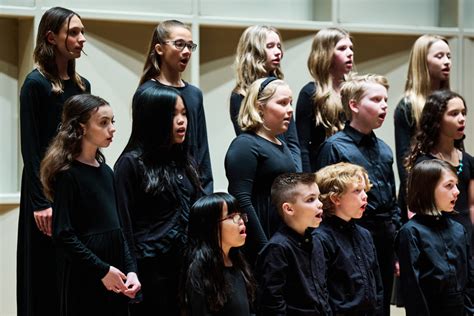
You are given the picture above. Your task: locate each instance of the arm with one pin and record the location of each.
(396, 212)
(304, 126)
(197, 303)
(234, 108)
(291, 139)
(202, 157)
(272, 270)
(241, 167)
(402, 137)
(327, 155)
(378, 282)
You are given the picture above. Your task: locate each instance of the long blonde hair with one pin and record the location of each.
(327, 104)
(44, 53)
(418, 84)
(251, 56)
(162, 32)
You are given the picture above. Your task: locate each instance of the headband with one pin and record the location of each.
(265, 83)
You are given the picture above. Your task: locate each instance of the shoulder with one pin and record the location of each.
(144, 86)
(191, 91)
(278, 243)
(35, 78)
(86, 83)
(308, 89)
(245, 139)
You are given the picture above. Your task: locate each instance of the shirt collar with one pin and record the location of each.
(305, 241)
(340, 223)
(357, 136)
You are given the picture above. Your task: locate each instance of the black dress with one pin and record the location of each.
(237, 303)
(251, 165)
(310, 135)
(40, 115)
(290, 137)
(199, 146)
(88, 237)
(158, 230)
(435, 271)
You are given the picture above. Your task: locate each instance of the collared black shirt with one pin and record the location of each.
(353, 275)
(435, 269)
(370, 152)
(291, 276)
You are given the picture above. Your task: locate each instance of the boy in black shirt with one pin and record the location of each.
(354, 283)
(365, 103)
(291, 270)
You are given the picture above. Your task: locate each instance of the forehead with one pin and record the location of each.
(282, 91)
(179, 103)
(447, 176)
(103, 111)
(346, 41)
(179, 32)
(455, 104)
(438, 46)
(73, 23)
(306, 189)
(372, 89)
(272, 37)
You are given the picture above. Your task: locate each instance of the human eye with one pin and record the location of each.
(310, 199)
(179, 44)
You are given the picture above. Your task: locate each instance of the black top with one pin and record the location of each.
(251, 165)
(40, 115)
(237, 303)
(405, 129)
(199, 147)
(158, 222)
(353, 275)
(435, 269)
(88, 236)
(290, 137)
(310, 136)
(375, 156)
(462, 214)
(291, 275)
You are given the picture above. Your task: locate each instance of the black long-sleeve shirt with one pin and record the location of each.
(291, 275)
(353, 275)
(199, 146)
(370, 152)
(290, 137)
(435, 269)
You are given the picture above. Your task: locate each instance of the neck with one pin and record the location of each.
(361, 128)
(336, 82)
(170, 78)
(446, 151)
(87, 155)
(62, 64)
(227, 260)
(435, 85)
(266, 133)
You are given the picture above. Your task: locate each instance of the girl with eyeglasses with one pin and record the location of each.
(258, 55)
(170, 51)
(59, 43)
(157, 183)
(216, 279)
(257, 156)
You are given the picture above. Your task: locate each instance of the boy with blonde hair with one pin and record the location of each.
(365, 102)
(351, 260)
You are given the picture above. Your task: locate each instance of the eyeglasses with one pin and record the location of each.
(236, 217)
(181, 44)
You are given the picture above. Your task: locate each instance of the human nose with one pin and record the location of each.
(364, 195)
(456, 191)
(112, 128)
(82, 38)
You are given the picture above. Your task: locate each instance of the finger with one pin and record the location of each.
(49, 225)
(38, 222)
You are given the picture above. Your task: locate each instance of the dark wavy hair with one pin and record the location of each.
(44, 53)
(203, 271)
(67, 145)
(151, 141)
(430, 125)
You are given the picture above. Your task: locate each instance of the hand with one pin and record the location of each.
(397, 268)
(44, 220)
(132, 284)
(113, 280)
(410, 214)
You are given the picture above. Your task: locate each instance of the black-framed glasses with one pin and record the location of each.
(181, 44)
(236, 217)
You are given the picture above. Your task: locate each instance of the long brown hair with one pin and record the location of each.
(67, 145)
(44, 53)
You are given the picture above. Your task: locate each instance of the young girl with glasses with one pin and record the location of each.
(257, 156)
(216, 279)
(436, 271)
(259, 54)
(157, 183)
(96, 270)
(170, 51)
(59, 43)
(319, 111)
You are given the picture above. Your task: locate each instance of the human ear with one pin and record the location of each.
(335, 199)
(51, 38)
(353, 106)
(159, 49)
(286, 207)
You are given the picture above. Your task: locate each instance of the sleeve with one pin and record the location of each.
(125, 184)
(291, 139)
(469, 291)
(234, 108)
(402, 137)
(197, 303)
(409, 255)
(272, 271)
(203, 158)
(378, 280)
(64, 235)
(304, 125)
(396, 212)
(328, 155)
(30, 99)
(241, 167)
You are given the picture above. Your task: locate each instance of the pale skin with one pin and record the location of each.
(98, 133)
(75, 42)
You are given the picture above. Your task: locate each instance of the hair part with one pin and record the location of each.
(422, 182)
(66, 146)
(250, 114)
(334, 180)
(44, 54)
(418, 83)
(161, 34)
(356, 86)
(251, 56)
(204, 262)
(328, 109)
